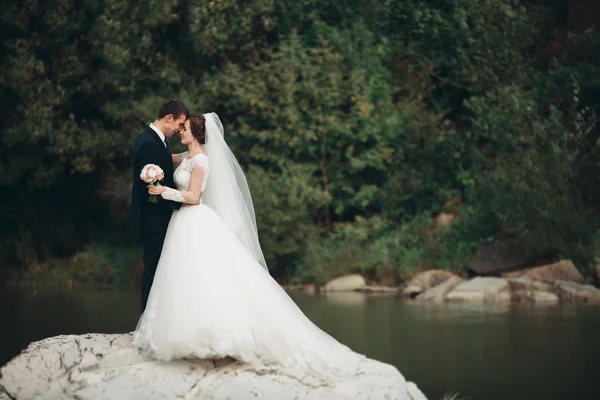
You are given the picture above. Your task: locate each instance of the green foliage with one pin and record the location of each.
(107, 265)
(357, 123)
(351, 248)
(466, 47)
(389, 253)
(527, 160)
(97, 265)
(285, 204)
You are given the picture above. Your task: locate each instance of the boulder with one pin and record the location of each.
(426, 280)
(563, 270)
(535, 291)
(103, 367)
(437, 294)
(571, 291)
(524, 285)
(346, 283)
(482, 289)
(499, 256)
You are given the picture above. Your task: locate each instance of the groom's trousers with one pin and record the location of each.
(152, 244)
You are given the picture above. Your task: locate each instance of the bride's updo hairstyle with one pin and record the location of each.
(198, 127)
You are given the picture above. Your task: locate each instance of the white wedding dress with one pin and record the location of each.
(211, 298)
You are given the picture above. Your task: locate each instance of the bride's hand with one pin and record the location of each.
(156, 190)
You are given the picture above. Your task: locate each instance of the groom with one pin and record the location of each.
(152, 219)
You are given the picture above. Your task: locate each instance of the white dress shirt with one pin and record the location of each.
(159, 133)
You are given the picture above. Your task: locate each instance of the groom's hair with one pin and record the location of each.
(173, 106)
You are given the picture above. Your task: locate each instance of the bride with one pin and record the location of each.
(212, 295)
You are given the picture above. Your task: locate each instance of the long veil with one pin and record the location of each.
(227, 191)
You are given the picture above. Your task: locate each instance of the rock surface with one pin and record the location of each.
(542, 297)
(102, 367)
(523, 284)
(346, 283)
(481, 289)
(426, 280)
(563, 270)
(571, 291)
(437, 294)
(491, 289)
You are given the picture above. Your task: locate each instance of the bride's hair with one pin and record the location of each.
(198, 127)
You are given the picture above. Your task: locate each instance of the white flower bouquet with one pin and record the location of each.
(152, 174)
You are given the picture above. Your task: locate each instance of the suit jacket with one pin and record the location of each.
(144, 216)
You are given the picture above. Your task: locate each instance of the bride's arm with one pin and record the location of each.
(191, 196)
(177, 158)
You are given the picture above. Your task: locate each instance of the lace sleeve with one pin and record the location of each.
(191, 196)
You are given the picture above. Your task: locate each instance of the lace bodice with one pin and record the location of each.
(183, 172)
(189, 180)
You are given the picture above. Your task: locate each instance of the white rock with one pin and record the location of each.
(346, 283)
(481, 289)
(437, 294)
(103, 367)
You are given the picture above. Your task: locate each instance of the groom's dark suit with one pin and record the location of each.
(150, 219)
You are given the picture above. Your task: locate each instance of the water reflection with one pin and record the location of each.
(483, 351)
(349, 299)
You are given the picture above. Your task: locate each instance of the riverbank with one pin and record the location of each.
(548, 284)
(110, 267)
(98, 266)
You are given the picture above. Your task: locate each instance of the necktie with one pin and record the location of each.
(167, 146)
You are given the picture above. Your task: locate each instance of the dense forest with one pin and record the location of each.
(359, 124)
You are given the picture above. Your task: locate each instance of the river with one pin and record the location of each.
(483, 352)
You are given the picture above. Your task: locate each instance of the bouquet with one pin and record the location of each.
(152, 174)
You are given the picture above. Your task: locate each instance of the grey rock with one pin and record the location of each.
(437, 294)
(481, 289)
(571, 291)
(426, 280)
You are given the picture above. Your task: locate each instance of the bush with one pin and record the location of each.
(97, 265)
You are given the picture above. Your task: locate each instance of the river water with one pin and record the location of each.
(502, 352)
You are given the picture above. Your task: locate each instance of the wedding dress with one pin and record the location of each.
(212, 296)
